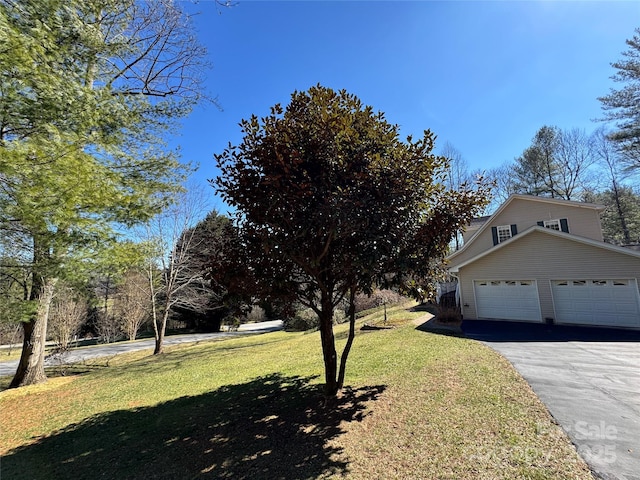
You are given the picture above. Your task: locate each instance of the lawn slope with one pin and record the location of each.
(418, 406)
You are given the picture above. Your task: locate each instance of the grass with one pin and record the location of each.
(13, 353)
(8, 354)
(419, 406)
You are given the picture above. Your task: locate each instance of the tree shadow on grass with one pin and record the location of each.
(273, 427)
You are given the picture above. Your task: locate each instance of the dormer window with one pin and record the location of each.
(559, 224)
(502, 233)
(552, 224)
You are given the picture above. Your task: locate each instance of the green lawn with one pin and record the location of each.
(7, 354)
(419, 406)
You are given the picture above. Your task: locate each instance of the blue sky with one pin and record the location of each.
(483, 76)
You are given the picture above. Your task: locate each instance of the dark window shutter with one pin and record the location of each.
(564, 225)
(514, 230)
(494, 232)
(541, 223)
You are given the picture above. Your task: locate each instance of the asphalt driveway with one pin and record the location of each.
(588, 378)
(82, 354)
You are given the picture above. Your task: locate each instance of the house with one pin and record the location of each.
(540, 259)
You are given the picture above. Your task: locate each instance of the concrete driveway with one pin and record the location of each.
(588, 378)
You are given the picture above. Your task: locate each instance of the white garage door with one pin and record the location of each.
(597, 302)
(507, 300)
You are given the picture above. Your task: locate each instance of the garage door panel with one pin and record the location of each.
(507, 300)
(610, 302)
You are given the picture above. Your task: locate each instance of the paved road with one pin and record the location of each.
(589, 379)
(111, 349)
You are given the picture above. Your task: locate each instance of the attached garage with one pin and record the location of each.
(547, 262)
(507, 300)
(608, 302)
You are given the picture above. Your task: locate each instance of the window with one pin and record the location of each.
(552, 224)
(504, 233)
(559, 224)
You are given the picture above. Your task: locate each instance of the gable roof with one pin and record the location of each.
(487, 220)
(556, 233)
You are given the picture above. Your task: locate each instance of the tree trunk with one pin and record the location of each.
(159, 344)
(160, 331)
(352, 334)
(159, 340)
(621, 215)
(328, 346)
(31, 366)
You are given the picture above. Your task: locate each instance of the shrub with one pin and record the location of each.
(305, 319)
(232, 323)
(448, 315)
(108, 328)
(257, 314)
(377, 299)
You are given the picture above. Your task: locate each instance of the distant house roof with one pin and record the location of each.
(478, 222)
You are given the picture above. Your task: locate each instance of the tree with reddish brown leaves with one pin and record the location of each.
(330, 202)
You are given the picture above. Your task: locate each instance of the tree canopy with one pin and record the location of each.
(622, 105)
(200, 303)
(88, 90)
(330, 202)
(554, 165)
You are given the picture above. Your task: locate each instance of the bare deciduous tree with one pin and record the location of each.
(132, 303)
(107, 327)
(573, 157)
(173, 241)
(457, 177)
(161, 55)
(613, 164)
(67, 315)
(457, 171)
(503, 178)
